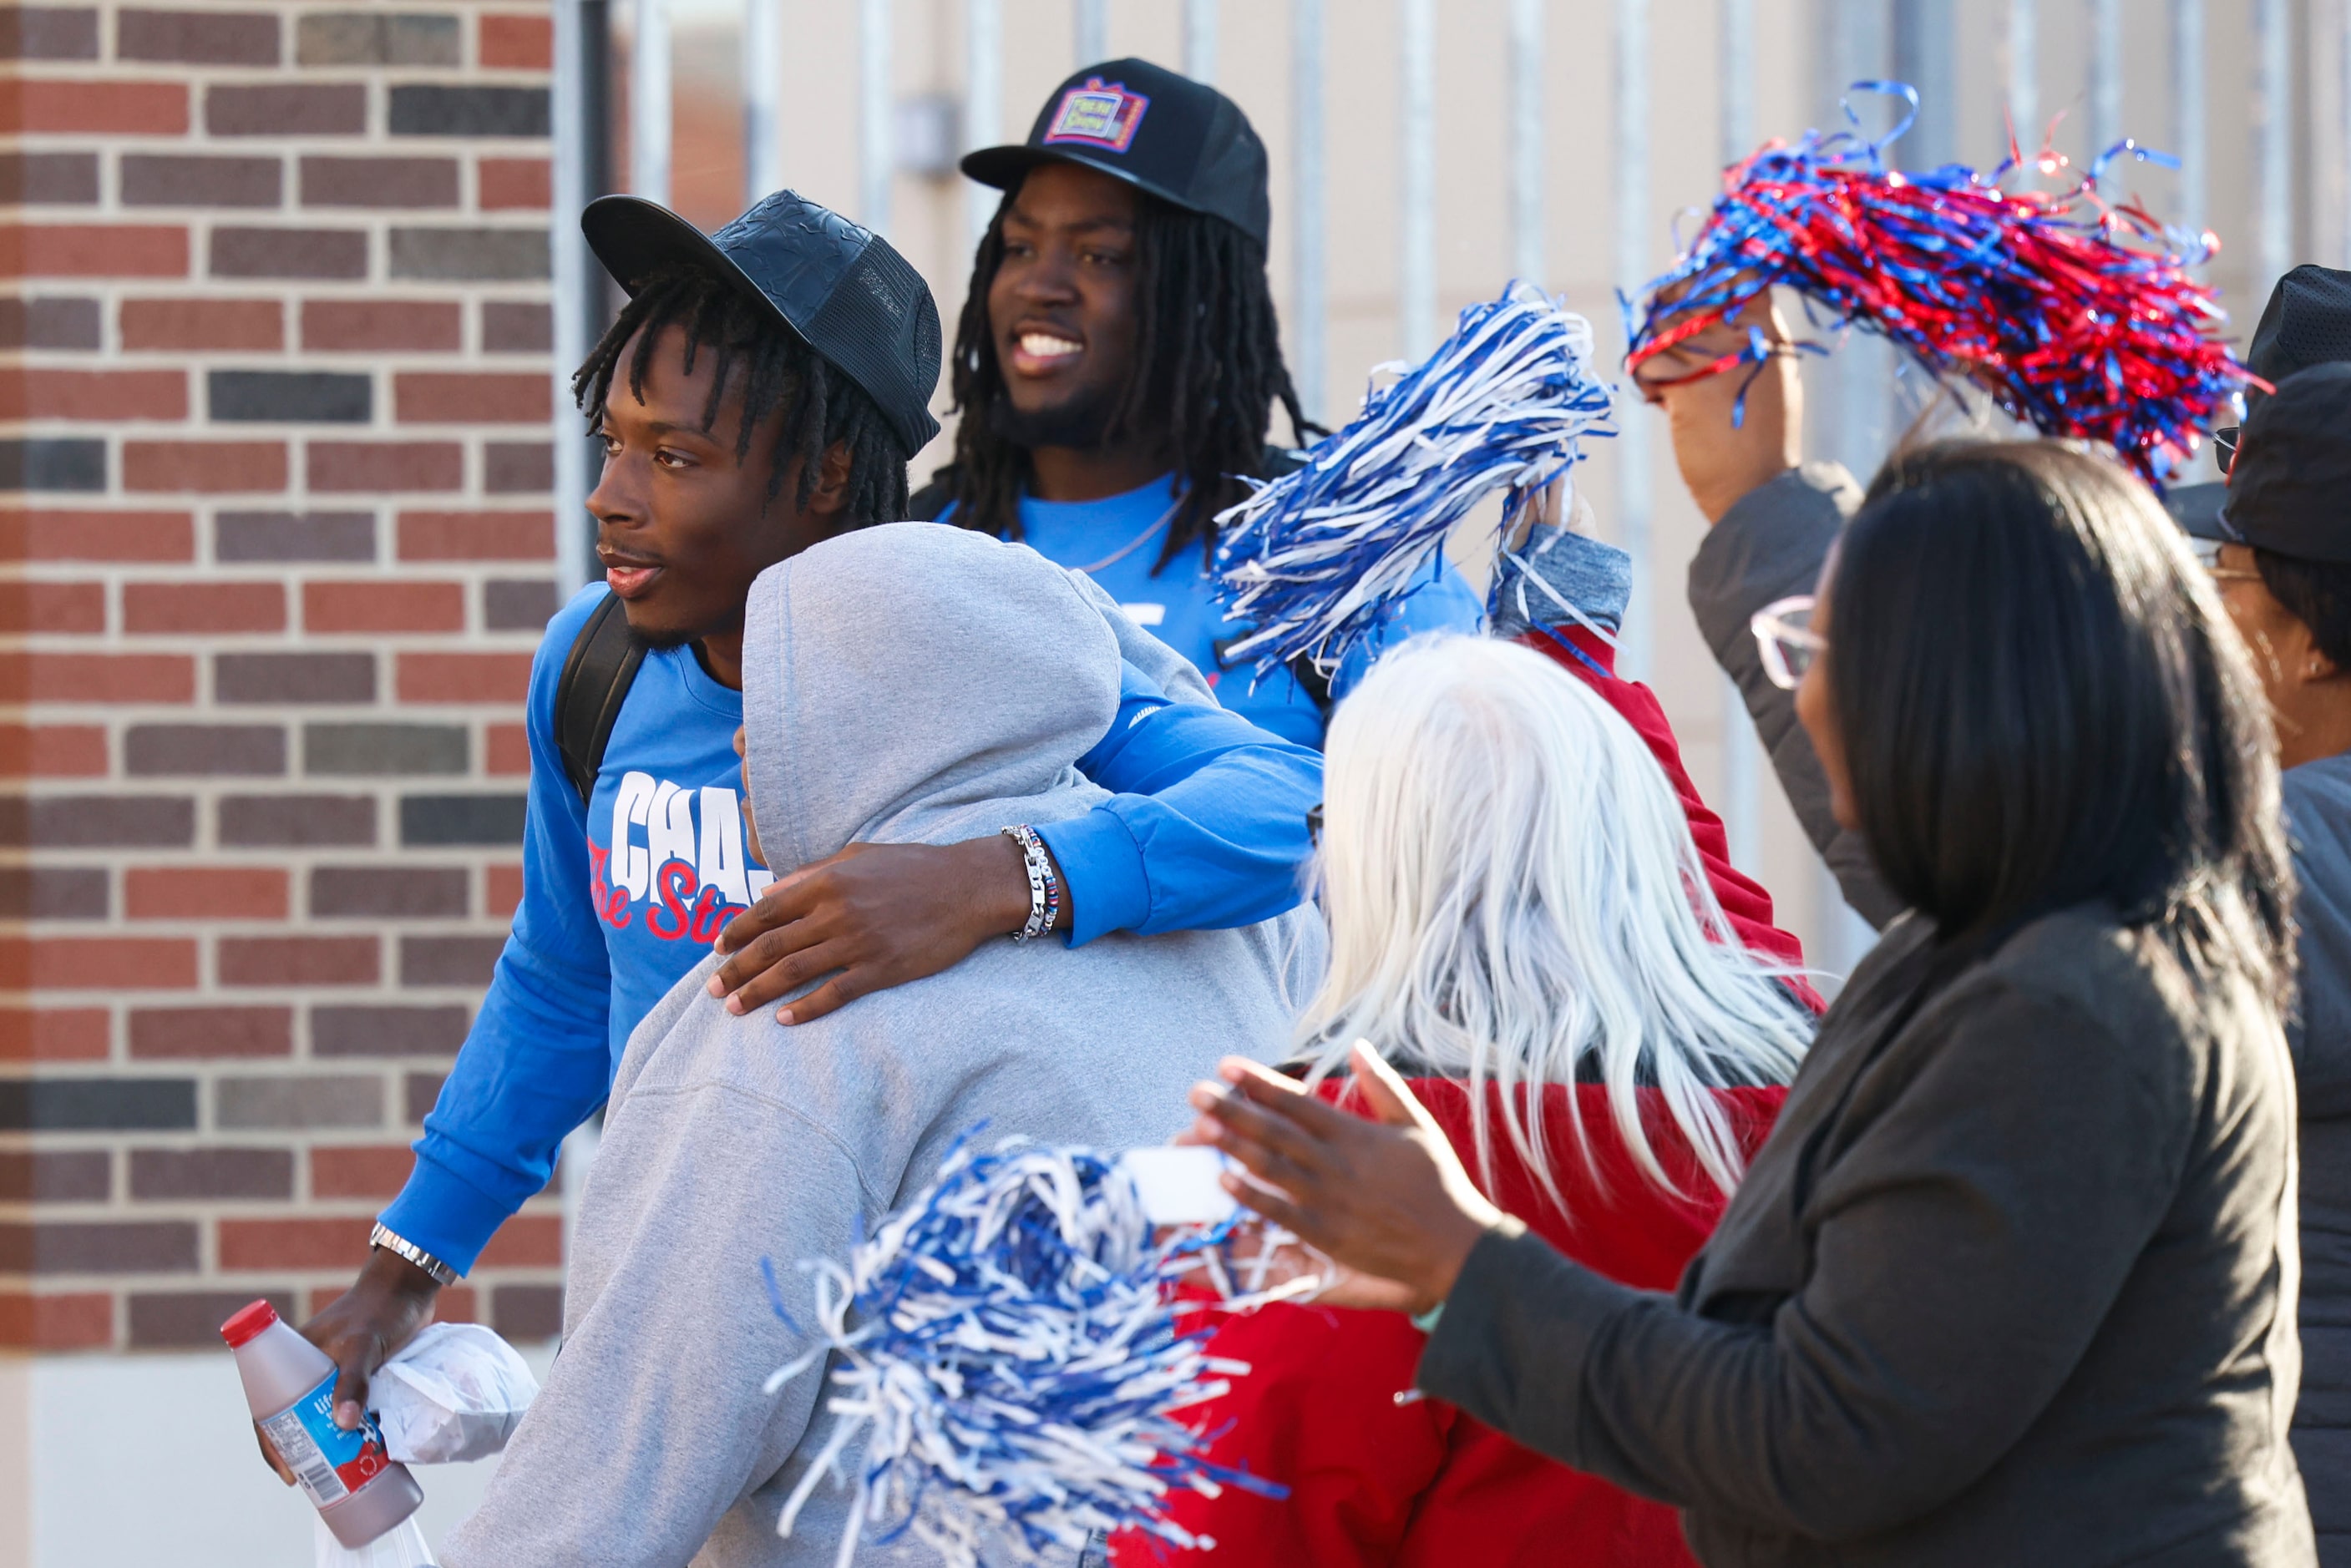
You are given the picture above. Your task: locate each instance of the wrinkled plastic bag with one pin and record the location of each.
(402, 1546)
(454, 1392)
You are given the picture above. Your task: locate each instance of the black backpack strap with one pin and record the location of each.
(597, 674)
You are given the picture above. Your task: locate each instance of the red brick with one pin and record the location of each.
(401, 326)
(377, 466)
(52, 751)
(127, 108)
(164, 607)
(506, 750)
(35, 393)
(371, 1171)
(47, 535)
(294, 1243)
(204, 893)
(96, 963)
(257, 324)
(520, 184)
(208, 467)
(54, 1034)
(82, 1320)
(284, 110)
(476, 536)
(92, 250)
(52, 606)
(298, 960)
(501, 891)
(464, 677)
(383, 607)
(526, 1242)
(517, 43)
(210, 1033)
(96, 677)
(445, 398)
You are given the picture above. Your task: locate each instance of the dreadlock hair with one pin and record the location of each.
(1207, 371)
(777, 367)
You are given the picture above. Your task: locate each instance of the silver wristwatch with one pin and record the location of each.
(393, 1242)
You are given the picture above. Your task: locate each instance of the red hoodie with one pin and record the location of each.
(1375, 1482)
(1420, 1485)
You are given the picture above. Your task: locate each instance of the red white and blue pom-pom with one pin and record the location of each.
(2079, 315)
(1311, 558)
(1008, 1354)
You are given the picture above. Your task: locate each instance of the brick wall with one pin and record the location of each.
(274, 404)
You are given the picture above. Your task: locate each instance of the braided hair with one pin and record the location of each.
(777, 367)
(1207, 371)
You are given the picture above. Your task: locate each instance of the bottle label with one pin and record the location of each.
(329, 1462)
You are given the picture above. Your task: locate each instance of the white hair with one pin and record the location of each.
(1514, 898)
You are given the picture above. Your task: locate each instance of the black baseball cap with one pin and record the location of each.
(2290, 491)
(1182, 141)
(2306, 322)
(838, 285)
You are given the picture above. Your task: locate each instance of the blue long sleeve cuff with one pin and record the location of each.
(447, 1215)
(1098, 854)
(1206, 827)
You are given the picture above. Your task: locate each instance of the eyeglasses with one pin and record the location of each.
(1783, 631)
(2225, 439)
(1315, 824)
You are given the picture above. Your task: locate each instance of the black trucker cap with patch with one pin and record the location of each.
(1180, 140)
(838, 285)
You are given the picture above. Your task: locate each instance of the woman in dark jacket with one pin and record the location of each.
(2013, 1279)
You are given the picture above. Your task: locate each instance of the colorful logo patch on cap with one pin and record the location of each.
(1098, 114)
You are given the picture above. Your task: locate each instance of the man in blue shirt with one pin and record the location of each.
(761, 391)
(1118, 362)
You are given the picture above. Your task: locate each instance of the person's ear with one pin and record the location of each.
(831, 491)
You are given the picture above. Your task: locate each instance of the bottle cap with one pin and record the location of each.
(249, 1324)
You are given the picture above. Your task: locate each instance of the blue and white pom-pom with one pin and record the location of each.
(1010, 1357)
(1311, 557)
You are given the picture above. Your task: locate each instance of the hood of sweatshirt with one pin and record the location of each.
(920, 684)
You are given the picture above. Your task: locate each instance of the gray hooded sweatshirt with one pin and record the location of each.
(905, 683)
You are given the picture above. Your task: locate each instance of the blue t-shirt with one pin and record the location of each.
(624, 895)
(1118, 539)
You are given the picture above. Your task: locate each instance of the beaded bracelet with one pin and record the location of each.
(1044, 886)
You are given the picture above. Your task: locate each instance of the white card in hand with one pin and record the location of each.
(1178, 1184)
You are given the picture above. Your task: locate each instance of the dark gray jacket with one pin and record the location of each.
(1771, 544)
(2011, 1282)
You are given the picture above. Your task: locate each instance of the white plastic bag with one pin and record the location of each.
(454, 1392)
(401, 1547)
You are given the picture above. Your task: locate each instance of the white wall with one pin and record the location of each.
(148, 1461)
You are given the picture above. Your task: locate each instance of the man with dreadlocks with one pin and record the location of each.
(1118, 362)
(761, 393)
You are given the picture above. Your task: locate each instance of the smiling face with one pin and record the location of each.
(683, 524)
(1062, 307)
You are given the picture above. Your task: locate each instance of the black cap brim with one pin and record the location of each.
(635, 238)
(1005, 167)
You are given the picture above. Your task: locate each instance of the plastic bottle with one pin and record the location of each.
(289, 1384)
